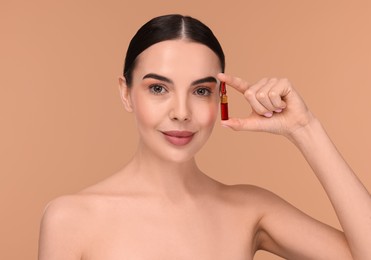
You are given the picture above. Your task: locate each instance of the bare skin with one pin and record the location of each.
(210, 221)
(161, 206)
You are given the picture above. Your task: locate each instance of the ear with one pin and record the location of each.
(125, 94)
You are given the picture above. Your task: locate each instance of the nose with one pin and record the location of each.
(180, 110)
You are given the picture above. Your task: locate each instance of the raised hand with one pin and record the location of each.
(276, 106)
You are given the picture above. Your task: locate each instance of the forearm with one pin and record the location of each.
(350, 199)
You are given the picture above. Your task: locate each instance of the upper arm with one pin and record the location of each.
(288, 232)
(60, 231)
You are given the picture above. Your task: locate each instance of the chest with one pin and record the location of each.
(172, 233)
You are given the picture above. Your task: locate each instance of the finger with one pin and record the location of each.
(244, 124)
(263, 95)
(237, 83)
(254, 97)
(248, 91)
(278, 93)
(237, 124)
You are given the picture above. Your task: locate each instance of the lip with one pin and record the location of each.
(178, 138)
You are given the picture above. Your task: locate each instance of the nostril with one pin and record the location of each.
(180, 111)
(180, 118)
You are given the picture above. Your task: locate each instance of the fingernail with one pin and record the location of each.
(278, 110)
(268, 114)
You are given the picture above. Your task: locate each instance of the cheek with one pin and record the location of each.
(143, 116)
(146, 113)
(208, 115)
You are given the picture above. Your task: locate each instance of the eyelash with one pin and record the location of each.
(152, 89)
(208, 91)
(164, 90)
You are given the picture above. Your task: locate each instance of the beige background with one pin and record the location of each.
(63, 126)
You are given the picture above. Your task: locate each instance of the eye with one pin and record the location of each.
(157, 89)
(203, 92)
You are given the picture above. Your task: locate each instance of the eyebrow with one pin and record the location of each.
(158, 77)
(165, 79)
(204, 80)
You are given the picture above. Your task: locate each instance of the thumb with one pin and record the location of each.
(238, 124)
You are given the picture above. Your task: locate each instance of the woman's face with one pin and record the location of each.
(175, 96)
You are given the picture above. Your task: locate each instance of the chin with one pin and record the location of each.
(178, 156)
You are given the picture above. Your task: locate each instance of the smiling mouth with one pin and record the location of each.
(178, 138)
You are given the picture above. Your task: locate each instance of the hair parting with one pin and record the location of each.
(169, 27)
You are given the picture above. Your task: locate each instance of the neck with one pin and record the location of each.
(171, 179)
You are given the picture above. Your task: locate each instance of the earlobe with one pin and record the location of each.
(125, 94)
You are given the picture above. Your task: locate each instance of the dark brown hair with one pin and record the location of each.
(169, 27)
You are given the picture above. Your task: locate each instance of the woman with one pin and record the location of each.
(162, 206)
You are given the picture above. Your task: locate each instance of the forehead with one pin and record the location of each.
(175, 58)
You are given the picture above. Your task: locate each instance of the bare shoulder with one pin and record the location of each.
(250, 195)
(64, 227)
(263, 202)
(69, 211)
(252, 202)
(256, 201)
(66, 208)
